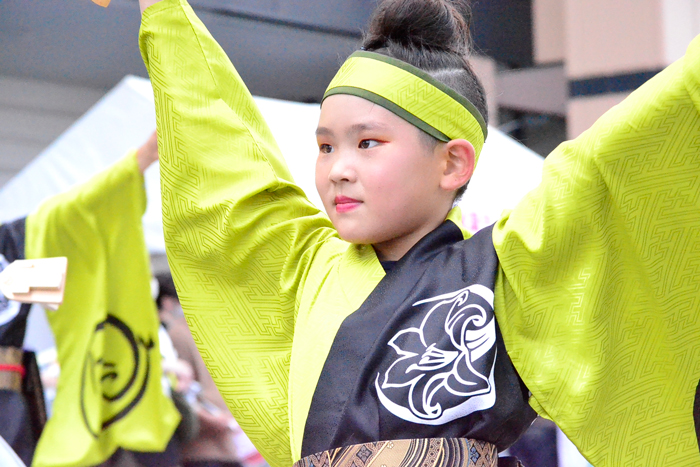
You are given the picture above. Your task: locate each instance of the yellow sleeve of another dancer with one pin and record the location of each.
(599, 296)
(239, 233)
(109, 394)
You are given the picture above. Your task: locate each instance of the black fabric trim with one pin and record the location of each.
(33, 391)
(610, 84)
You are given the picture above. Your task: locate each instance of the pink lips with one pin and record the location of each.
(345, 204)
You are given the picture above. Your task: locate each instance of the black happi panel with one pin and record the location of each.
(423, 357)
(13, 315)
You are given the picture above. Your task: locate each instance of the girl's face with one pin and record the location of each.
(379, 178)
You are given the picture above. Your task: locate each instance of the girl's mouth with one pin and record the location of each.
(345, 204)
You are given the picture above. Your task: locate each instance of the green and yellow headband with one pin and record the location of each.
(413, 95)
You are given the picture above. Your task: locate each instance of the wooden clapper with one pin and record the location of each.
(39, 281)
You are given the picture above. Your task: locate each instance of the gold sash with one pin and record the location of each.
(430, 452)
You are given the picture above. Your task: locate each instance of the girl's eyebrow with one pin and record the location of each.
(323, 131)
(356, 128)
(360, 127)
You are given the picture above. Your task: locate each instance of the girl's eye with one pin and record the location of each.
(326, 148)
(368, 143)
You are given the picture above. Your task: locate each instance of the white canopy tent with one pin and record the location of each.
(125, 117)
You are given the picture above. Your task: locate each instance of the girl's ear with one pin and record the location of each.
(459, 157)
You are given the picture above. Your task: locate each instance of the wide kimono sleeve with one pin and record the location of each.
(599, 296)
(239, 234)
(109, 394)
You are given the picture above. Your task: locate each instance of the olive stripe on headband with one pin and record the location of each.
(412, 94)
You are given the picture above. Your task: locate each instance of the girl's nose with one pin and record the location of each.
(342, 170)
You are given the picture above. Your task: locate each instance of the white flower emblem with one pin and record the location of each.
(445, 366)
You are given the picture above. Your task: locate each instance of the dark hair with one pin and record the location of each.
(432, 35)
(166, 287)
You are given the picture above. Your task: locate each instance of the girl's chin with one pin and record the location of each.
(351, 236)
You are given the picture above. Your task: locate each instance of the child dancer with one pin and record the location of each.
(343, 336)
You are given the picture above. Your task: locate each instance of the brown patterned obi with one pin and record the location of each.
(430, 452)
(11, 369)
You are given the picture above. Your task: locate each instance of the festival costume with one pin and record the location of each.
(97, 225)
(594, 284)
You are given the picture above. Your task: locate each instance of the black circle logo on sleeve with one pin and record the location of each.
(115, 374)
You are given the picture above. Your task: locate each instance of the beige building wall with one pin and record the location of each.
(485, 69)
(549, 34)
(584, 111)
(598, 40)
(608, 37)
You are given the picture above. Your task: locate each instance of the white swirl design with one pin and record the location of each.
(445, 367)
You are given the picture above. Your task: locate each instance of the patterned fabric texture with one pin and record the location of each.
(431, 452)
(600, 296)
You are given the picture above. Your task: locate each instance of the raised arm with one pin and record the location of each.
(238, 232)
(599, 299)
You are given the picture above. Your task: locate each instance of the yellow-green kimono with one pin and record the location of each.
(109, 394)
(596, 294)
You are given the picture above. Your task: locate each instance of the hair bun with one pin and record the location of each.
(421, 24)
